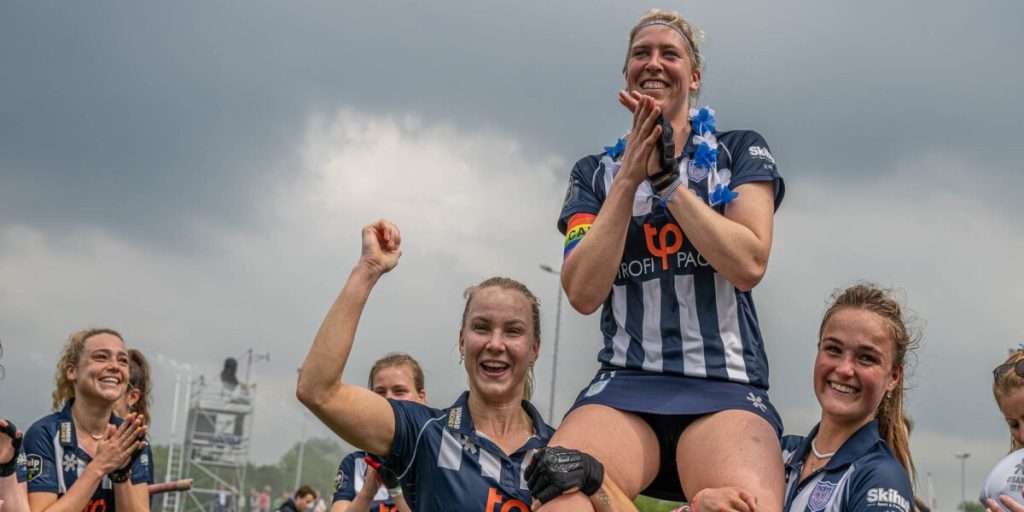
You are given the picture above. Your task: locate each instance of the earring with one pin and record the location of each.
(462, 358)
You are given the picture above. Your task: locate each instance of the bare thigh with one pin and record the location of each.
(732, 448)
(624, 443)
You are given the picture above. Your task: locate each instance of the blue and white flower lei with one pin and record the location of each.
(705, 158)
(702, 122)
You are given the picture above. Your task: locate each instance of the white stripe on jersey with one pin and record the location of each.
(620, 342)
(729, 329)
(58, 462)
(652, 342)
(490, 466)
(359, 480)
(523, 465)
(450, 454)
(689, 324)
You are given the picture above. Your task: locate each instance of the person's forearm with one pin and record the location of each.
(131, 497)
(13, 495)
(79, 494)
(589, 270)
(733, 249)
(322, 370)
(401, 504)
(609, 498)
(360, 503)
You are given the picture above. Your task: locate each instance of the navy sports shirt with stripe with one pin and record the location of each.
(669, 311)
(445, 464)
(350, 480)
(862, 476)
(54, 461)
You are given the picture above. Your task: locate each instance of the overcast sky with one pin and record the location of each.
(196, 174)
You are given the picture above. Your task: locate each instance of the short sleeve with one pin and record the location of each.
(142, 468)
(580, 196)
(881, 488)
(752, 161)
(345, 483)
(40, 467)
(410, 419)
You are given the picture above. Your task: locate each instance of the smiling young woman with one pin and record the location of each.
(861, 446)
(84, 457)
(668, 235)
(470, 456)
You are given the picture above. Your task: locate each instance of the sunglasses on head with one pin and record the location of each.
(1001, 370)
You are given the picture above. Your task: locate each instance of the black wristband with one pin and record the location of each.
(669, 173)
(120, 476)
(8, 468)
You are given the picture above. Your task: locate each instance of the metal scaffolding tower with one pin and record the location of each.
(217, 443)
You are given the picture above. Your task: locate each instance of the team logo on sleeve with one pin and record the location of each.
(820, 496)
(33, 466)
(761, 153)
(889, 498)
(339, 481)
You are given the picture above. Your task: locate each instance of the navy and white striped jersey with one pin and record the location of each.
(349, 482)
(669, 311)
(447, 465)
(54, 460)
(863, 476)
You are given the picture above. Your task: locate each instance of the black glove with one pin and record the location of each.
(7, 468)
(555, 470)
(669, 173)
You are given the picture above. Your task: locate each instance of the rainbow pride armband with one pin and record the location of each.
(579, 224)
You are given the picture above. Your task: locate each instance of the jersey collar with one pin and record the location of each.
(459, 420)
(859, 444)
(66, 424)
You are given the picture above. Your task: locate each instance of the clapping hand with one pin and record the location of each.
(118, 447)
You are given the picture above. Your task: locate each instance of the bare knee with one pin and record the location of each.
(632, 460)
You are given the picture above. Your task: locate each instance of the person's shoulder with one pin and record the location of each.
(790, 446)
(415, 411)
(748, 141)
(588, 164)
(44, 426)
(880, 479)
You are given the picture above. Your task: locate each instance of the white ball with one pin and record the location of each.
(1006, 478)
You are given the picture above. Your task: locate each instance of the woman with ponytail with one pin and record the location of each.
(858, 456)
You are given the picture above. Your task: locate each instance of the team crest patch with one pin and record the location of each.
(144, 459)
(820, 496)
(33, 466)
(598, 386)
(696, 174)
(65, 432)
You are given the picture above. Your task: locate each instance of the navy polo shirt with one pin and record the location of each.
(863, 476)
(445, 464)
(54, 460)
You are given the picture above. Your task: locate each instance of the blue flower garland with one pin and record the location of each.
(702, 122)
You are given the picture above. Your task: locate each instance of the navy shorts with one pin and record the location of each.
(669, 404)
